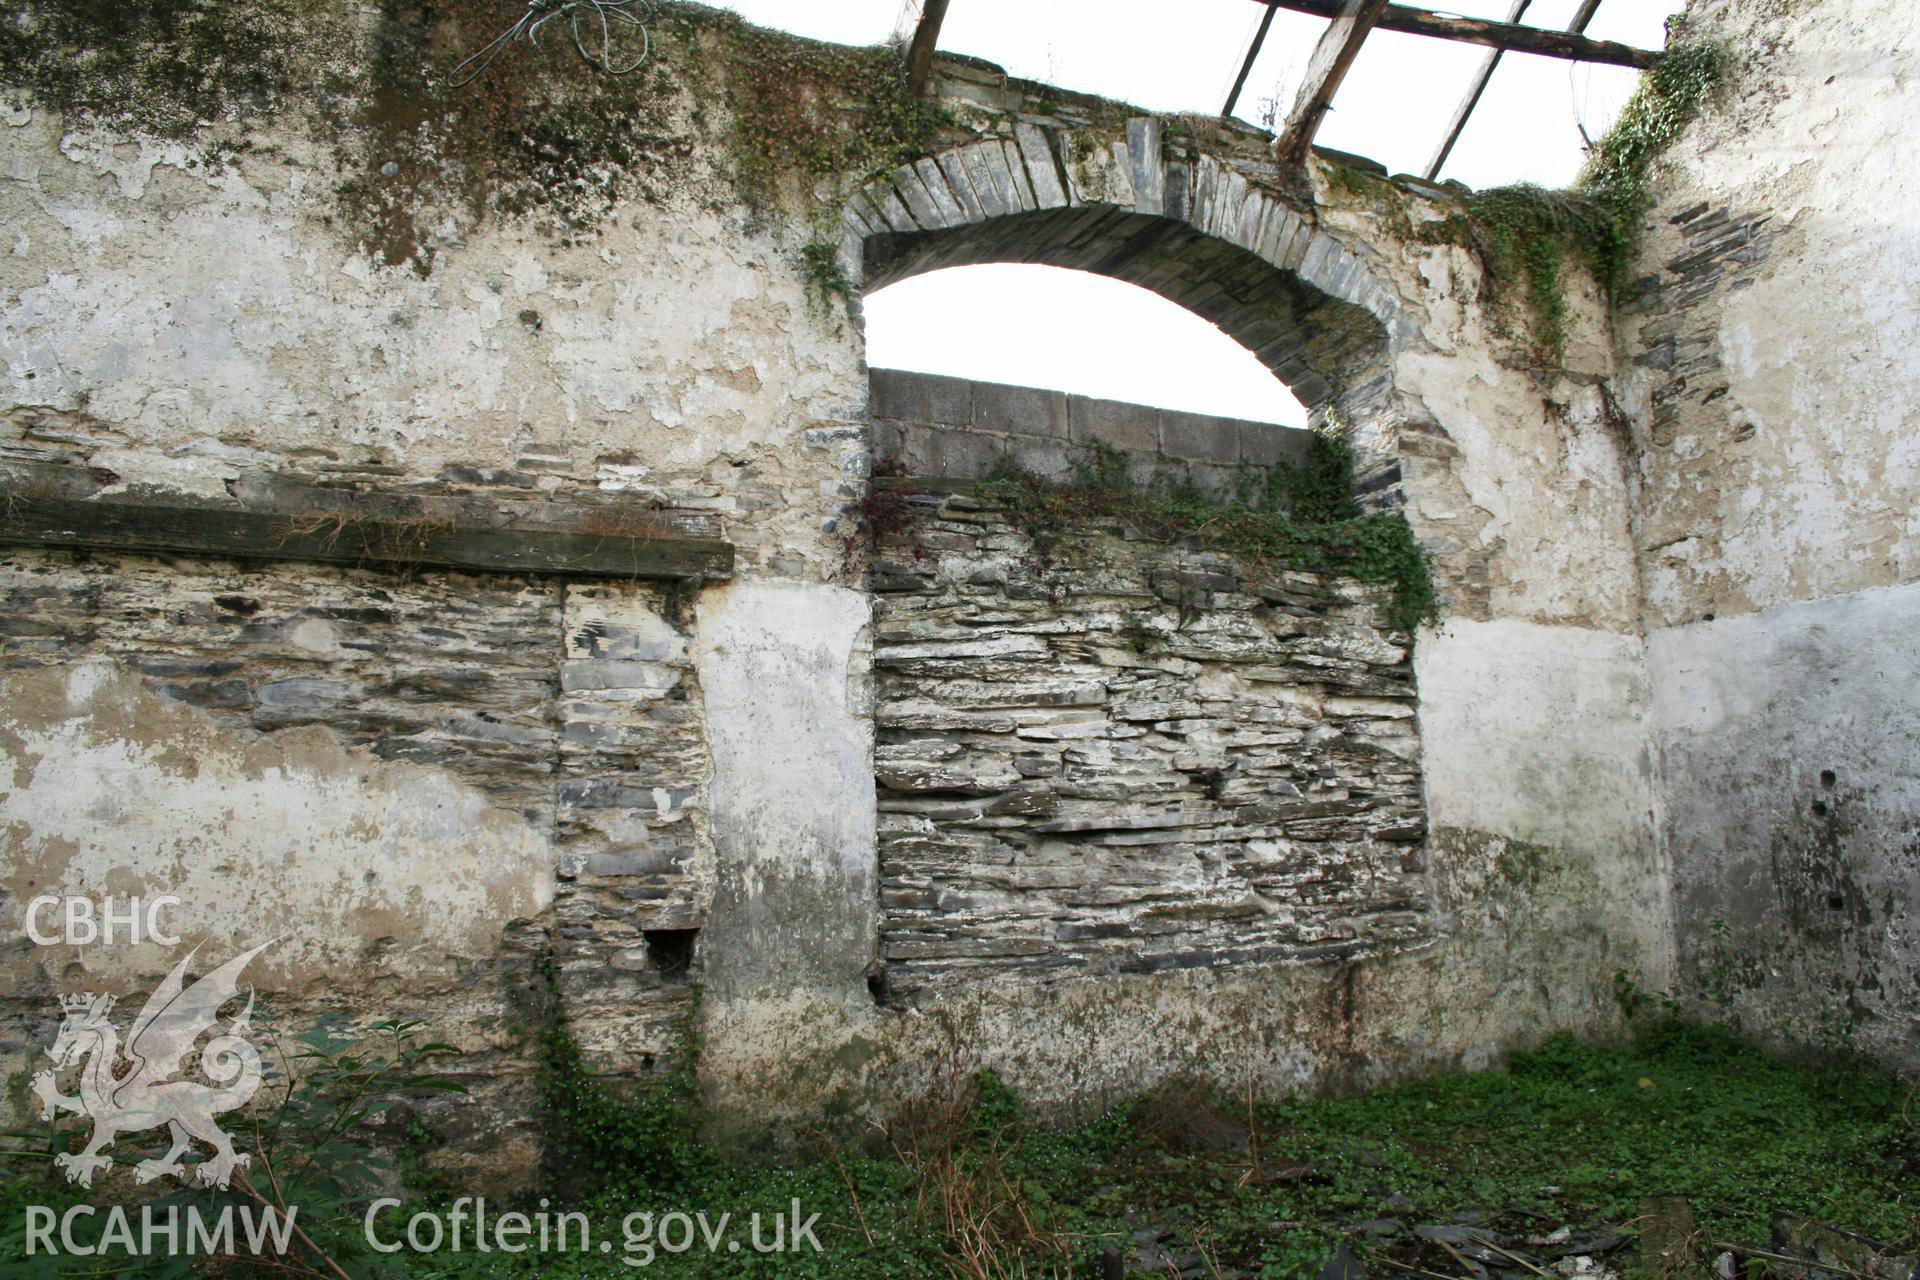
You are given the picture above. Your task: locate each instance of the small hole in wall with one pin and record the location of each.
(670, 951)
(877, 983)
(1836, 902)
(1828, 778)
(1819, 808)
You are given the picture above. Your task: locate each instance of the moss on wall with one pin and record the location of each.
(796, 109)
(162, 68)
(539, 134)
(1527, 234)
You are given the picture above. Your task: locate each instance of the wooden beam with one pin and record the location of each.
(1494, 35)
(1326, 68)
(1253, 51)
(926, 38)
(1581, 18)
(1475, 87)
(45, 507)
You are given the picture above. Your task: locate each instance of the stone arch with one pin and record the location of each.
(1209, 233)
(1029, 728)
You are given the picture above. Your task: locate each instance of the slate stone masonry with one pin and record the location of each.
(1144, 761)
(573, 704)
(1725, 251)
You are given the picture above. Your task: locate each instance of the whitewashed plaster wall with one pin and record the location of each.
(1777, 485)
(182, 324)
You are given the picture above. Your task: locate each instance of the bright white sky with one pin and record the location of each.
(1041, 326)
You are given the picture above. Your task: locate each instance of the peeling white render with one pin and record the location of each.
(1675, 570)
(391, 870)
(1560, 759)
(783, 674)
(1777, 513)
(213, 321)
(1793, 802)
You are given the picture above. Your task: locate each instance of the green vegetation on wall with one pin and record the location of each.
(160, 67)
(1293, 518)
(825, 275)
(804, 126)
(538, 134)
(1527, 234)
(602, 1140)
(809, 111)
(1616, 176)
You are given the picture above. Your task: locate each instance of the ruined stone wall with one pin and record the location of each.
(1141, 761)
(394, 776)
(1777, 475)
(1149, 811)
(213, 331)
(200, 338)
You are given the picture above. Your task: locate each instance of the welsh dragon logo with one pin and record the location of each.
(126, 1090)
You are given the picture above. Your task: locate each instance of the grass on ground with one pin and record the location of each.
(1567, 1137)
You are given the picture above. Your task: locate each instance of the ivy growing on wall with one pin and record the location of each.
(1616, 176)
(1527, 233)
(538, 135)
(602, 1140)
(1294, 518)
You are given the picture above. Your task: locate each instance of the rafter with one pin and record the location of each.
(1471, 99)
(926, 38)
(1494, 35)
(1326, 68)
(1581, 18)
(1246, 67)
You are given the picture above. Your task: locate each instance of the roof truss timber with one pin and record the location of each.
(1339, 46)
(1506, 36)
(1350, 22)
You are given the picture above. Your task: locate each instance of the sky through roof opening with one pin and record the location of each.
(1040, 326)
(1532, 125)
(1064, 330)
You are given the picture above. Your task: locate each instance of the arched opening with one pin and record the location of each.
(1030, 325)
(1100, 751)
(1207, 232)
(1317, 344)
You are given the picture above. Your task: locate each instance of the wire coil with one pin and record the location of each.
(608, 13)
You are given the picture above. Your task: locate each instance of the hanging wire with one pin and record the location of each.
(609, 14)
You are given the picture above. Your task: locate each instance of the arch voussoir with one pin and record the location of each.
(1205, 230)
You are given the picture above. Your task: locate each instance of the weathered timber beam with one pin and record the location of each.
(43, 510)
(1495, 35)
(926, 38)
(1476, 87)
(1246, 66)
(1326, 68)
(1479, 85)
